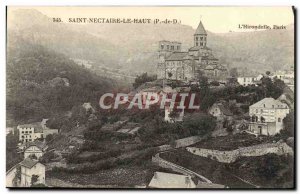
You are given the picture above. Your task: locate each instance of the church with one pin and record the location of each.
(199, 60)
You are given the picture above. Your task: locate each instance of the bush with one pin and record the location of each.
(199, 124)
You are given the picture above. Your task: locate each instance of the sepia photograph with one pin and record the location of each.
(150, 97)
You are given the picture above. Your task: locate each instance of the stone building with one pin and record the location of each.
(176, 64)
(221, 111)
(30, 132)
(35, 149)
(266, 116)
(26, 173)
(29, 169)
(33, 131)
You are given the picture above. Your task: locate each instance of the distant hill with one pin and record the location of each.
(132, 47)
(38, 29)
(42, 83)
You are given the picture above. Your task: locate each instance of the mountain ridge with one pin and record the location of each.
(133, 47)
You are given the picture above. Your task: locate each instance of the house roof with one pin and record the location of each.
(169, 180)
(223, 108)
(210, 67)
(38, 128)
(177, 56)
(28, 163)
(39, 144)
(269, 103)
(200, 29)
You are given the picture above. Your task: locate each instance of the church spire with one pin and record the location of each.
(200, 36)
(200, 30)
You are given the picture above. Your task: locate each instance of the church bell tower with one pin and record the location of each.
(200, 36)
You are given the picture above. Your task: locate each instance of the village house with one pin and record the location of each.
(33, 131)
(266, 116)
(221, 111)
(246, 81)
(31, 169)
(249, 80)
(35, 149)
(30, 132)
(25, 174)
(175, 64)
(169, 180)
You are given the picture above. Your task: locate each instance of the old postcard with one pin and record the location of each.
(150, 97)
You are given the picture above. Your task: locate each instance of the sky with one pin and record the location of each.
(215, 19)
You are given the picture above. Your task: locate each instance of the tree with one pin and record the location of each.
(79, 115)
(289, 125)
(269, 166)
(17, 177)
(34, 179)
(141, 79)
(49, 138)
(199, 124)
(234, 72)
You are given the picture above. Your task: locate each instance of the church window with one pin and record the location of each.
(201, 43)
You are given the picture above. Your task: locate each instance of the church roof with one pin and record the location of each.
(200, 29)
(177, 56)
(188, 57)
(210, 57)
(196, 48)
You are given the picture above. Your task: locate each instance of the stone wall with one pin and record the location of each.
(182, 143)
(176, 168)
(231, 156)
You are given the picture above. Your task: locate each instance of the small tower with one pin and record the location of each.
(200, 36)
(165, 49)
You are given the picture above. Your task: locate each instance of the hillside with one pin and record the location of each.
(132, 47)
(37, 28)
(42, 83)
